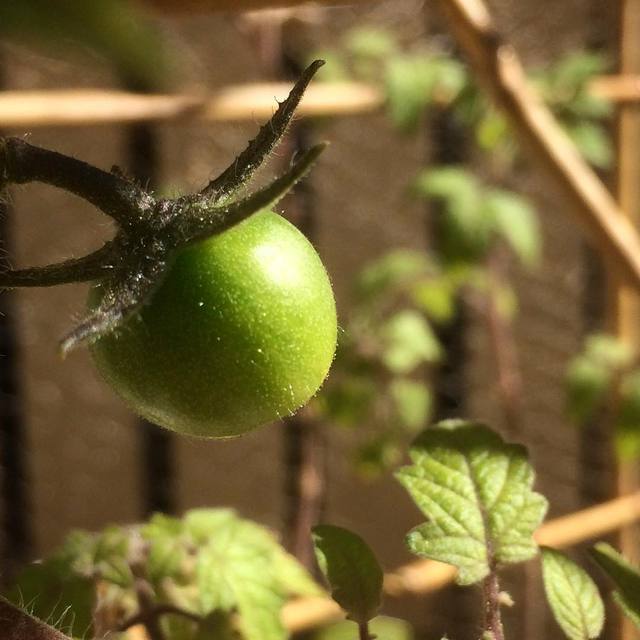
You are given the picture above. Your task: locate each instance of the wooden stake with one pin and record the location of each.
(625, 303)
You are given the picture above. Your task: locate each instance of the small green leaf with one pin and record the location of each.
(516, 221)
(572, 595)
(408, 341)
(352, 570)
(436, 297)
(369, 42)
(415, 81)
(465, 231)
(587, 384)
(392, 271)
(628, 418)
(593, 142)
(382, 627)
(475, 490)
(625, 576)
(412, 402)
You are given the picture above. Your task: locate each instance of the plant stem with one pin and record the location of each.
(491, 600)
(363, 631)
(21, 162)
(503, 344)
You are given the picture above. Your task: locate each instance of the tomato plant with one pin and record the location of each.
(241, 332)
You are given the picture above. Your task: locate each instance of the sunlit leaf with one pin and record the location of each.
(572, 595)
(475, 490)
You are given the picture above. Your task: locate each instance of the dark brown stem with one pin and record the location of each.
(491, 601)
(16, 624)
(504, 348)
(155, 613)
(363, 631)
(21, 162)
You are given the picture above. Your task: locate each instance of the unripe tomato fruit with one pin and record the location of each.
(242, 331)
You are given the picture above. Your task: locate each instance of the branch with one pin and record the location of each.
(16, 624)
(21, 162)
(91, 267)
(499, 69)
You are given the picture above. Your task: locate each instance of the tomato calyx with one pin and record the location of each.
(150, 231)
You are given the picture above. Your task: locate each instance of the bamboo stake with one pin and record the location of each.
(190, 6)
(497, 66)
(625, 302)
(30, 109)
(77, 107)
(623, 88)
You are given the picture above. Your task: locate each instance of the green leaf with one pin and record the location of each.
(167, 549)
(382, 627)
(408, 341)
(589, 375)
(464, 228)
(572, 595)
(436, 297)
(412, 402)
(240, 566)
(628, 419)
(352, 570)
(625, 576)
(593, 142)
(475, 490)
(111, 556)
(369, 42)
(348, 402)
(516, 221)
(413, 82)
(391, 272)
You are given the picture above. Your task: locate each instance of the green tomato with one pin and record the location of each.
(241, 332)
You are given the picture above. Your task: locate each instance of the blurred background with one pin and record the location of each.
(464, 285)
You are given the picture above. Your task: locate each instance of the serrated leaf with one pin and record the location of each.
(382, 627)
(475, 490)
(167, 550)
(412, 402)
(572, 595)
(242, 567)
(625, 576)
(354, 575)
(516, 221)
(111, 556)
(408, 341)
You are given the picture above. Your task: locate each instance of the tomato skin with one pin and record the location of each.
(241, 332)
